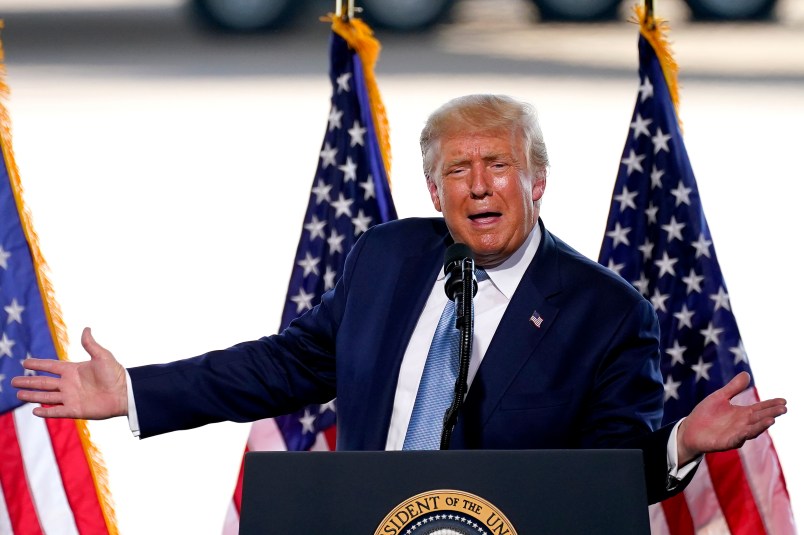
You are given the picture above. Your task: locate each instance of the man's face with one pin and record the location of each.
(486, 193)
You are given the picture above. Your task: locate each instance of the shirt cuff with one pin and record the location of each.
(675, 473)
(133, 421)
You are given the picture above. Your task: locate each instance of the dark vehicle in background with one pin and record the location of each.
(416, 15)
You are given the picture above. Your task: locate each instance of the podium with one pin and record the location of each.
(526, 492)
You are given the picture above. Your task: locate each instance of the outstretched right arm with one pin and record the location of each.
(91, 390)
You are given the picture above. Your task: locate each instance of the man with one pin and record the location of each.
(583, 374)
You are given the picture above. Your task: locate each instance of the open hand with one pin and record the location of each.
(715, 424)
(93, 390)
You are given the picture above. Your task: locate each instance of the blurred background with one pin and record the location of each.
(167, 151)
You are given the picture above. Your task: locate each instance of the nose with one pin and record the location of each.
(480, 185)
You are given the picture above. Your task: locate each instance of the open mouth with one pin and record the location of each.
(484, 216)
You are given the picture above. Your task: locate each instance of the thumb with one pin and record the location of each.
(738, 383)
(95, 350)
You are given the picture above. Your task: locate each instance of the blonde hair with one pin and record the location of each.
(484, 113)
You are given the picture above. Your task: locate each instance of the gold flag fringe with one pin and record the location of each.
(58, 331)
(656, 31)
(361, 39)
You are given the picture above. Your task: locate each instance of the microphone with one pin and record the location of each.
(460, 286)
(457, 255)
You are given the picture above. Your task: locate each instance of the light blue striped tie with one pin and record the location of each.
(438, 382)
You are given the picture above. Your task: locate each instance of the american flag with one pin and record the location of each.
(350, 193)
(50, 477)
(658, 239)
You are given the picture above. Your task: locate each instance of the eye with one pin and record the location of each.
(456, 171)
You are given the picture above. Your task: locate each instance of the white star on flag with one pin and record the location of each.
(4, 256)
(671, 388)
(349, 170)
(660, 141)
(684, 316)
(335, 242)
(334, 118)
(634, 162)
(342, 206)
(682, 194)
(368, 188)
(356, 134)
(303, 300)
(646, 249)
(343, 81)
(615, 267)
(329, 278)
(711, 334)
(701, 369)
(626, 199)
(307, 422)
(14, 311)
(640, 126)
(316, 228)
(693, 282)
(5, 346)
(309, 264)
(328, 155)
(658, 299)
(645, 90)
(619, 235)
(321, 192)
(361, 222)
(721, 299)
(676, 353)
(656, 177)
(674, 229)
(665, 265)
(702, 246)
(740, 354)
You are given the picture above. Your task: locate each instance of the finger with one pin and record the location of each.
(36, 396)
(36, 383)
(55, 411)
(753, 431)
(92, 347)
(769, 411)
(738, 383)
(768, 403)
(44, 365)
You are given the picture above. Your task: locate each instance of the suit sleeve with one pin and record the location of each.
(630, 383)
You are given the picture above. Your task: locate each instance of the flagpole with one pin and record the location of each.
(348, 13)
(649, 20)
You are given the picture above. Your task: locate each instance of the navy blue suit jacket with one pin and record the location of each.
(589, 377)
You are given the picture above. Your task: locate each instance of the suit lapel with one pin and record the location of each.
(517, 338)
(410, 295)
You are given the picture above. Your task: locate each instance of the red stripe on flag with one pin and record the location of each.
(677, 515)
(76, 476)
(238, 492)
(330, 433)
(734, 493)
(14, 482)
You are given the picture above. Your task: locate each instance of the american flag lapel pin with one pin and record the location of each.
(536, 319)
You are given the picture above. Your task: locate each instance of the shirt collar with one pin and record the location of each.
(507, 275)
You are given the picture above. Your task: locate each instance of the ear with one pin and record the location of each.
(434, 194)
(537, 189)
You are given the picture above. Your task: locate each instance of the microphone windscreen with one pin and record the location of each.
(455, 253)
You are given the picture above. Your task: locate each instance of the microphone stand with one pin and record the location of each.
(464, 322)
